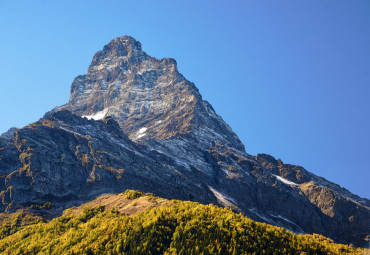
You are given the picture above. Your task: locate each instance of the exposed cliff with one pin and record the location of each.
(134, 122)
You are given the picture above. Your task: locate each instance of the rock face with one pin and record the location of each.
(134, 122)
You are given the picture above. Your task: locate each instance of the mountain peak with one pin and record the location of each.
(134, 122)
(116, 50)
(122, 45)
(126, 40)
(144, 93)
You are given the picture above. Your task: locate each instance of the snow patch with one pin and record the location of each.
(285, 181)
(259, 215)
(272, 221)
(141, 135)
(357, 202)
(300, 230)
(284, 219)
(97, 116)
(142, 130)
(221, 198)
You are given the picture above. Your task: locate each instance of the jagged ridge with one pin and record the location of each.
(137, 123)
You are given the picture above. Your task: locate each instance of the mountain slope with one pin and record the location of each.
(143, 93)
(134, 122)
(133, 223)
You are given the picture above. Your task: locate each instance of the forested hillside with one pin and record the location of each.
(137, 223)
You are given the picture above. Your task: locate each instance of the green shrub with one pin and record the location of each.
(133, 194)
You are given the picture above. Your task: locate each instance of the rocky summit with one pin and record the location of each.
(134, 122)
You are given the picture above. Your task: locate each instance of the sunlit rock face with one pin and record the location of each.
(134, 122)
(148, 97)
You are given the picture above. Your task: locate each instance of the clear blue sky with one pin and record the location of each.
(292, 78)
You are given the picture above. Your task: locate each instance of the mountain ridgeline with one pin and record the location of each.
(134, 122)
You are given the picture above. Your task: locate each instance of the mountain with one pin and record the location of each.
(137, 223)
(134, 122)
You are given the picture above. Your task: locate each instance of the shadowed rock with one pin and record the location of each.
(134, 122)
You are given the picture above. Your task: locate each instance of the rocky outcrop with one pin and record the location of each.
(148, 97)
(345, 214)
(8, 134)
(68, 159)
(134, 122)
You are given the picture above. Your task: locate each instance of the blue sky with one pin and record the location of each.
(292, 78)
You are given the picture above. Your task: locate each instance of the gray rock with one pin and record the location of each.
(134, 122)
(9, 134)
